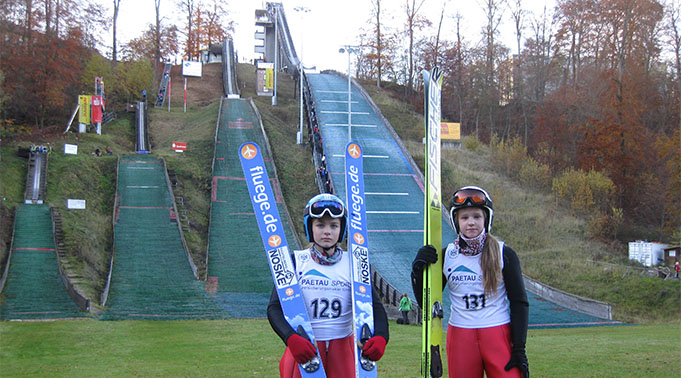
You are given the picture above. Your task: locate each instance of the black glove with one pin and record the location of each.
(426, 255)
(519, 360)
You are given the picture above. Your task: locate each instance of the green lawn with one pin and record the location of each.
(229, 348)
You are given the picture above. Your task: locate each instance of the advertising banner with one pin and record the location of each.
(84, 109)
(450, 131)
(96, 109)
(179, 146)
(264, 79)
(190, 68)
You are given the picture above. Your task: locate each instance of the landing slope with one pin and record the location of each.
(34, 289)
(151, 277)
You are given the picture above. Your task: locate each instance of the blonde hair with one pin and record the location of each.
(490, 262)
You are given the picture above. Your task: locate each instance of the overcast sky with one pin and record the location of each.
(329, 24)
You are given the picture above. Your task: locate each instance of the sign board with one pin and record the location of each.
(179, 146)
(190, 68)
(71, 149)
(97, 109)
(450, 131)
(75, 204)
(84, 109)
(264, 79)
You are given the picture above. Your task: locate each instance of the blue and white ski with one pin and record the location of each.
(362, 310)
(278, 256)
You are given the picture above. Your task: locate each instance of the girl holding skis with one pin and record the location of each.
(325, 278)
(489, 307)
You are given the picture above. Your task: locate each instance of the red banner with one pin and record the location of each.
(179, 146)
(96, 109)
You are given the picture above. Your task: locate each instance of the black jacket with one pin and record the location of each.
(515, 290)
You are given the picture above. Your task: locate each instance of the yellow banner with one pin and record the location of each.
(450, 131)
(269, 78)
(84, 109)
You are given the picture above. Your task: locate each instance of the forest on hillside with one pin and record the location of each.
(591, 90)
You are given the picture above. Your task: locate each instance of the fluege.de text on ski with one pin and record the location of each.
(360, 252)
(262, 199)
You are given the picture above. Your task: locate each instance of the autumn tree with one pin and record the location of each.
(380, 44)
(214, 26)
(145, 47)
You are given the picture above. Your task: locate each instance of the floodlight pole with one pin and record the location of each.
(276, 57)
(350, 50)
(300, 72)
(349, 100)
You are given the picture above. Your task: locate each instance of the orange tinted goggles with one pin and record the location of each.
(474, 196)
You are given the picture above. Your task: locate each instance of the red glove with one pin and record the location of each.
(301, 349)
(374, 348)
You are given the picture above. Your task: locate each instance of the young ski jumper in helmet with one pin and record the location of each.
(325, 281)
(489, 308)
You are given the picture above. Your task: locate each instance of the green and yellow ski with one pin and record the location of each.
(431, 361)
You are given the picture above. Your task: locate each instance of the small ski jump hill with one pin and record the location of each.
(31, 283)
(152, 274)
(237, 268)
(34, 289)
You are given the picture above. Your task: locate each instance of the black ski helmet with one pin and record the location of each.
(321, 204)
(471, 196)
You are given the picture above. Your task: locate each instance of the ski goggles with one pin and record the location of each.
(333, 208)
(472, 196)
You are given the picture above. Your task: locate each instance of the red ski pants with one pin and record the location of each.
(472, 351)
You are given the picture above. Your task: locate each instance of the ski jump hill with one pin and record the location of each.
(152, 276)
(33, 285)
(238, 272)
(394, 192)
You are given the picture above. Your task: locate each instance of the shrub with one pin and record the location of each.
(536, 174)
(509, 155)
(584, 192)
(604, 227)
(471, 143)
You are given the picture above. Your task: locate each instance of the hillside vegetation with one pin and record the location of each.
(553, 246)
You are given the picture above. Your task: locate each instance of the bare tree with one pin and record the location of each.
(188, 6)
(414, 22)
(116, 4)
(379, 44)
(437, 36)
(518, 16)
(157, 36)
(493, 13)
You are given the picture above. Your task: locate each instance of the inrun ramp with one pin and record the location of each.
(151, 277)
(33, 289)
(393, 191)
(238, 272)
(394, 194)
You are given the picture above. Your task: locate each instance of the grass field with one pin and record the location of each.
(88, 348)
